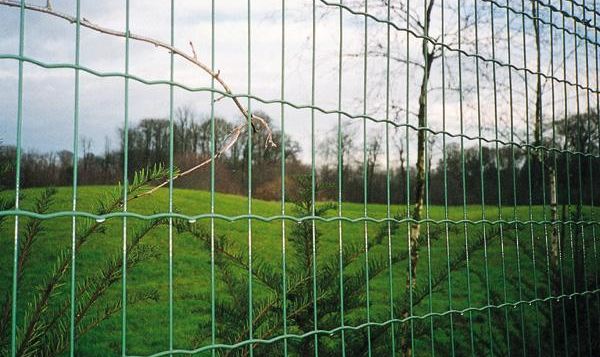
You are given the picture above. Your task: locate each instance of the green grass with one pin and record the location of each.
(147, 323)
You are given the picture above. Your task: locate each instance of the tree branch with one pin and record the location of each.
(374, 53)
(235, 133)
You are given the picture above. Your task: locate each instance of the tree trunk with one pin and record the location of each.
(537, 133)
(554, 236)
(415, 227)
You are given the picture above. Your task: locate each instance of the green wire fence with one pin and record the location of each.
(474, 235)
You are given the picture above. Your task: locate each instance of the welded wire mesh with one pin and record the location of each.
(447, 207)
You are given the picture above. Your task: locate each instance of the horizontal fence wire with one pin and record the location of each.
(449, 134)
(193, 218)
(484, 275)
(365, 325)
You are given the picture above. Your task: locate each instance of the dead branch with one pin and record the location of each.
(233, 135)
(231, 139)
(193, 50)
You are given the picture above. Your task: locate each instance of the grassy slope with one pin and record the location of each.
(148, 324)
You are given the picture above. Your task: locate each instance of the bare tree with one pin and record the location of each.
(373, 151)
(400, 147)
(419, 27)
(329, 150)
(86, 148)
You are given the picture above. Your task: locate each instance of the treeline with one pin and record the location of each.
(496, 173)
(511, 174)
(149, 144)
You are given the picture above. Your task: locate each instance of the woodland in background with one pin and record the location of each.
(508, 166)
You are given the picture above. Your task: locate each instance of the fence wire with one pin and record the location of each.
(482, 240)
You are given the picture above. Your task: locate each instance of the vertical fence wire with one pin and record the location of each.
(482, 183)
(125, 185)
(74, 196)
(15, 272)
(284, 287)
(568, 175)
(445, 171)
(498, 181)
(578, 215)
(250, 125)
(528, 163)
(365, 177)
(463, 180)
(544, 166)
(426, 153)
(340, 182)
(213, 284)
(514, 180)
(558, 229)
(593, 208)
(409, 282)
(581, 199)
(388, 211)
(171, 171)
(313, 174)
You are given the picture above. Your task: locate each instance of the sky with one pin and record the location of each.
(462, 107)
(48, 100)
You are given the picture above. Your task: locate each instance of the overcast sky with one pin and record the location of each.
(48, 102)
(49, 95)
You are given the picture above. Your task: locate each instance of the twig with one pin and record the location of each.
(193, 50)
(234, 134)
(231, 139)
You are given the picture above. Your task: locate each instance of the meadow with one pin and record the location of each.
(510, 267)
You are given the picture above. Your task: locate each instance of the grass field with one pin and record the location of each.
(147, 322)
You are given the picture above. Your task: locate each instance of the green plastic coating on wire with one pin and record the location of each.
(364, 325)
(340, 181)
(213, 285)
(488, 324)
(516, 144)
(74, 196)
(14, 293)
(125, 186)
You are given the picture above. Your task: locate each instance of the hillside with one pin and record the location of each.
(147, 321)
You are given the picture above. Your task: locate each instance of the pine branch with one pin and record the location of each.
(95, 287)
(56, 342)
(41, 300)
(261, 270)
(32, 228)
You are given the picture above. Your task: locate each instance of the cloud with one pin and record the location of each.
(49, 98)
